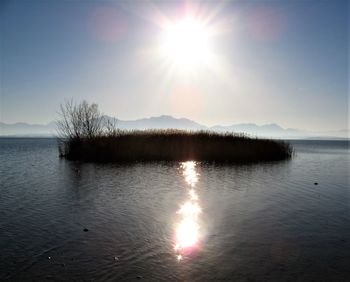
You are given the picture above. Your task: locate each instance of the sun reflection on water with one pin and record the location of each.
(187, 235)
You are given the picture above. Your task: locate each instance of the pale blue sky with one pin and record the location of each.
(274, 61)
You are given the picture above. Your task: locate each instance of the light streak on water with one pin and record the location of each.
(188, 231)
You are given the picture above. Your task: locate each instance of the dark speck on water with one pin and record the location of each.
(257, 222)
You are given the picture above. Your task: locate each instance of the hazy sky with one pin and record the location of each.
(267, 61)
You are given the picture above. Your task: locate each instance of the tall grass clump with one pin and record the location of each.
(107, 144)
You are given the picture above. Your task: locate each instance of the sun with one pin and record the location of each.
(186, 43)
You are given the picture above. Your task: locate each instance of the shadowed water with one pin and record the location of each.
(242, 223)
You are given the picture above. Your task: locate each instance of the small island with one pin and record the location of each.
(85, 135)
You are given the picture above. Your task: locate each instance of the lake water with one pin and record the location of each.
(174, 221)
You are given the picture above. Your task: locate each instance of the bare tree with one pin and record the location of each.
(78, 121)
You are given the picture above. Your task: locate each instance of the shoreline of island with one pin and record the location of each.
(174, 145)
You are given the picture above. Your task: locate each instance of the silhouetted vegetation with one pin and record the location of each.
(86, 136)
(155, 145)
(78, 121)
(81, 122)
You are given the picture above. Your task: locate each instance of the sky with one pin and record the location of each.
(215, 62)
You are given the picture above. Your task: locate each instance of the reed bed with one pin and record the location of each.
(174, 145)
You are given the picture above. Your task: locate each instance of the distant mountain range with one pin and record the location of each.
(22, 129)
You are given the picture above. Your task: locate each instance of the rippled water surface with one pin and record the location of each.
(174, 221)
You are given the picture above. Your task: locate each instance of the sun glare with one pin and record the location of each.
(187, 235)
(186, 43)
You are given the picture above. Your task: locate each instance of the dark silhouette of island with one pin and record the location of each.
(86, 135)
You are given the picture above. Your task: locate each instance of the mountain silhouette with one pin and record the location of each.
(271, 130)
